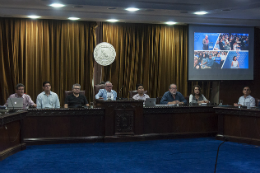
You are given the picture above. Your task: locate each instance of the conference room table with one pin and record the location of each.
(129, 120)
(238, 125)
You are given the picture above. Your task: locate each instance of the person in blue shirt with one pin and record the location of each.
(173, 96)
(210, 62)
(204, 61)
(218, 61)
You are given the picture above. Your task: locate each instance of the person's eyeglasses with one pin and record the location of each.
(246, 89)
(76, 88)
(108, 86)
(173, 88)
(47, 85)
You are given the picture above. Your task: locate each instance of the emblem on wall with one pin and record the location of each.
(104, 54)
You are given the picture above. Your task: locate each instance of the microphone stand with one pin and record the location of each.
(120, 98)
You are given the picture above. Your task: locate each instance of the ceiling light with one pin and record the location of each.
(201, 12)
(132, 9)
(112, 20)
(57, 5)
(34, 17)
(170, 23)
(73, 18)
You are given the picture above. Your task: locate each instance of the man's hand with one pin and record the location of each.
(101, 98)
(173, 102)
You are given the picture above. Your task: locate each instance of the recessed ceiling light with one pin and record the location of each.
(34, 17)
(132, 9)
(73, 18)
(57, 5)
(201, 12)
(170, 23)
(112, 20)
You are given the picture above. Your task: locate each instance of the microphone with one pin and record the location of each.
(118, 97)
(120, 89)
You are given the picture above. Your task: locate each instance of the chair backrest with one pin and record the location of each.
(187, 99)
(257, 101)
(98, 87)
(158, 99)
(134, 92)
(82, 92)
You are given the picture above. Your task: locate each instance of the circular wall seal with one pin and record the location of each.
(104, 54)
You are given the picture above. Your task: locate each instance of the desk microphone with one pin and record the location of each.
(120, 89)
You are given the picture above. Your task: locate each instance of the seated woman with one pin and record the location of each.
(196, 96)
(141, 95)
(196, 63)
(235, 63)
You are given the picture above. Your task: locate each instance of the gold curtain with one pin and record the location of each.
(34, 51)
(154, 55)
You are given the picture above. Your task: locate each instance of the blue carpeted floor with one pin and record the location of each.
(180, 155)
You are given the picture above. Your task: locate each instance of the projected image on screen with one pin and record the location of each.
(221, 50)
(205, 41)
(209, 59)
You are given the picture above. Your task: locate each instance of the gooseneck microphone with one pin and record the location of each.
(120, 90)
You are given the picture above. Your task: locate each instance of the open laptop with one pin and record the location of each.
(15, 103)
(150, 102)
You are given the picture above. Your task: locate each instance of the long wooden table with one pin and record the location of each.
(118, 121)
(239, 125)
(11, 133)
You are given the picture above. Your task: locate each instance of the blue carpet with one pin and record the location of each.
(180, 155)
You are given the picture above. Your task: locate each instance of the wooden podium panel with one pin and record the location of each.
(11, 134)
(122, 117)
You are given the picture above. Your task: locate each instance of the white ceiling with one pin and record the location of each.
(220, 12)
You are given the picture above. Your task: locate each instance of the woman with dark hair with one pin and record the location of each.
(235, 63)
(196, 96)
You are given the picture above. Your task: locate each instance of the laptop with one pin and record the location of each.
(150, 102)
(15, 103)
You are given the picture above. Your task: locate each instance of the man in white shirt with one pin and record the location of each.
(141, 95)
(47, 98)
(246, 98)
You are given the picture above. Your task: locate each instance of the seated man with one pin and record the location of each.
(75, 100)
(246, 98)
(107, 93)
(27, 101)
(141, 95)
(173, 96)
(47, 98)
(210, 62)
